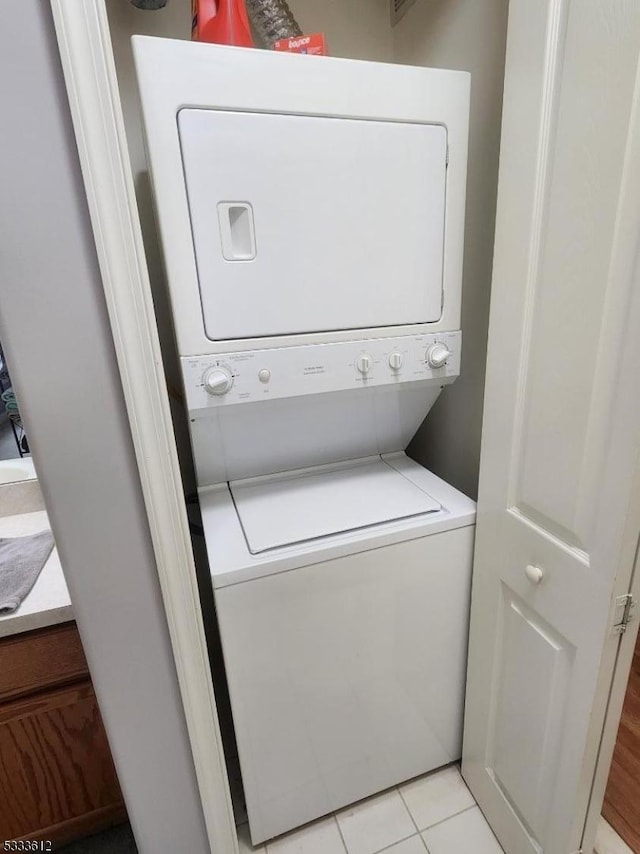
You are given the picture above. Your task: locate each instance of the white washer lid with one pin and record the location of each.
(280, 510)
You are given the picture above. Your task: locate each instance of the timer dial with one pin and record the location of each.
(438, 355)
(217, 381)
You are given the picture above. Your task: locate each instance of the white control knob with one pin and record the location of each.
(364, 363)
(437, 355)
(217, 381)
(395, 361)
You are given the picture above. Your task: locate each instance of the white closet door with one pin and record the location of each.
(561, 427)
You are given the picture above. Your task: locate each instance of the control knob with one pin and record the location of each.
(395, 361)
(217, 381)
(364, 363)
(438, 355)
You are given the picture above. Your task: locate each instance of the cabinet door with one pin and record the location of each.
(57, 778)
(555, 537)
(39, 660)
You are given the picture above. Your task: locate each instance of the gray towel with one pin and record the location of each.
(21, 560)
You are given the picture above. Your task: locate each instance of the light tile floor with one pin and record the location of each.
(608, 841)
(435, 814)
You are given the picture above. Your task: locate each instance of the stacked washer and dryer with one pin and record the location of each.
(311, 217)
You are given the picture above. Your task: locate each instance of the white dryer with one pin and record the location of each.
(311, 215)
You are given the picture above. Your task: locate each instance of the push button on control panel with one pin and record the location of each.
(264, 375)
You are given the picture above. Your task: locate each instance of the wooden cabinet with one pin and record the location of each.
(57, 778)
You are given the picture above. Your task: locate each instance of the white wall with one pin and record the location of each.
(174, 21)
(55, 329)
(355, 29)
(468, 35)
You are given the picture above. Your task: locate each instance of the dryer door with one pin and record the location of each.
(308, 224)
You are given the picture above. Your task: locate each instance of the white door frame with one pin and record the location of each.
(616, 697)
(84, 41)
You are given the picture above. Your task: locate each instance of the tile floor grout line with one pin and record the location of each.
(406, 805)
(394, 789)
(344, 842)
(453, 815)
(429, 826)
(404, 839)
(397, 842)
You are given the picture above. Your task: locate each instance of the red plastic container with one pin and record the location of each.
(221, 22)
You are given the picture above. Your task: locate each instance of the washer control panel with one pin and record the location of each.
(254, 375)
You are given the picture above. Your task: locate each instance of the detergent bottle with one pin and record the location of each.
(221, 22)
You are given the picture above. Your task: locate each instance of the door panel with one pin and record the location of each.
(586, 147)
(525, 729)
(559, 324)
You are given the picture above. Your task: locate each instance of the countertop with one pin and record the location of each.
(48, 601)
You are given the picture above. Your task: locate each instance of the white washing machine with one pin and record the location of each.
(311, 216)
